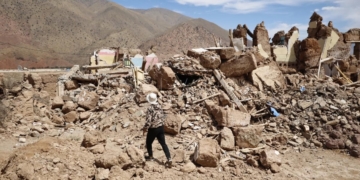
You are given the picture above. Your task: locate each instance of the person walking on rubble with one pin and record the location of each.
(154, 127)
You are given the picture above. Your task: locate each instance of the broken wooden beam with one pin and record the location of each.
(343, 74)
(195, 102)
(346, 85)
(84, 78)
(228, 91)
(87, 67)
(120, 71)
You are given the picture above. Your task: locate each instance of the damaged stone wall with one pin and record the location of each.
(309, 54)
(241, 32)
(261, 36)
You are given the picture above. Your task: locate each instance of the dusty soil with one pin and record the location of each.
(297, 164)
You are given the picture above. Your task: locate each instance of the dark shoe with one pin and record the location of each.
(149, 158)
(168, 163)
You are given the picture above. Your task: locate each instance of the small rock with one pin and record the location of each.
(356, 138)
(304, 104)
(22, 140)
(57, 102)
(97, 149)
(316, 142)
(355, 151)
(34, 134)
(102, 174)
(227, 141)
(38, 129)
(274, 168)
(252, 162)
(202, 170)
(207, 153)
(69, 106)
(332, 123)
(268, 157)
(188, 167)
(56, 160)
(84, 115)
(71, 84)
(71, 117)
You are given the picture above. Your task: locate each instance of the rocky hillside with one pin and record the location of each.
(162, 16)
(195, 33)
(50, 33)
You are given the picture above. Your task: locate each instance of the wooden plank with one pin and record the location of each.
(206, 98)
(120, 71)
(228, 91)
(346, 85)
(343, 74)
(101, 66)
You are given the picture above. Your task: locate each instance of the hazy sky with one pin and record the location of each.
(277, 14)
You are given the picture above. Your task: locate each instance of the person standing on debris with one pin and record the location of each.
(155, 127)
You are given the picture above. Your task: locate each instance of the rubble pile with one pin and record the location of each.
(224, 109)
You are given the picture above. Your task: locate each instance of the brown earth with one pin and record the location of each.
(195, 33)
(62, 33)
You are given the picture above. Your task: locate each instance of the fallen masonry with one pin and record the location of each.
(224, 108)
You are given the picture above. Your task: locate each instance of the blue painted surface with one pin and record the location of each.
(137, 61)
(274, 112)
(302, 88)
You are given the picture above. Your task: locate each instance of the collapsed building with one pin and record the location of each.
(225, 106)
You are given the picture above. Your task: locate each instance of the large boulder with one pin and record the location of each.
(195, 53)
(164, 77)
(248, 137)
(143, 91)
(92, 138)
(270, 76)
(188, 167)
(226, 53)
(88, 100)
(207, 153)
(71, 84)
(268, 157)
(227, 139)
(35, 80)
(227, 117)
(172, 124)
(71, 117)
(210, 60)
(57, 102)
(69, 106)
(239, 66)
(136, 155)
(109, 160)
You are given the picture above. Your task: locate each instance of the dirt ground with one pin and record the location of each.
(297, 163)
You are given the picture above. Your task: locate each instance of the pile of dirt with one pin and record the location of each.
(217, 126)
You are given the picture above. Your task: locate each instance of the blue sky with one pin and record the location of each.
(277, 14)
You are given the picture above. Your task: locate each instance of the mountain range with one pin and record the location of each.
(53, 33)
